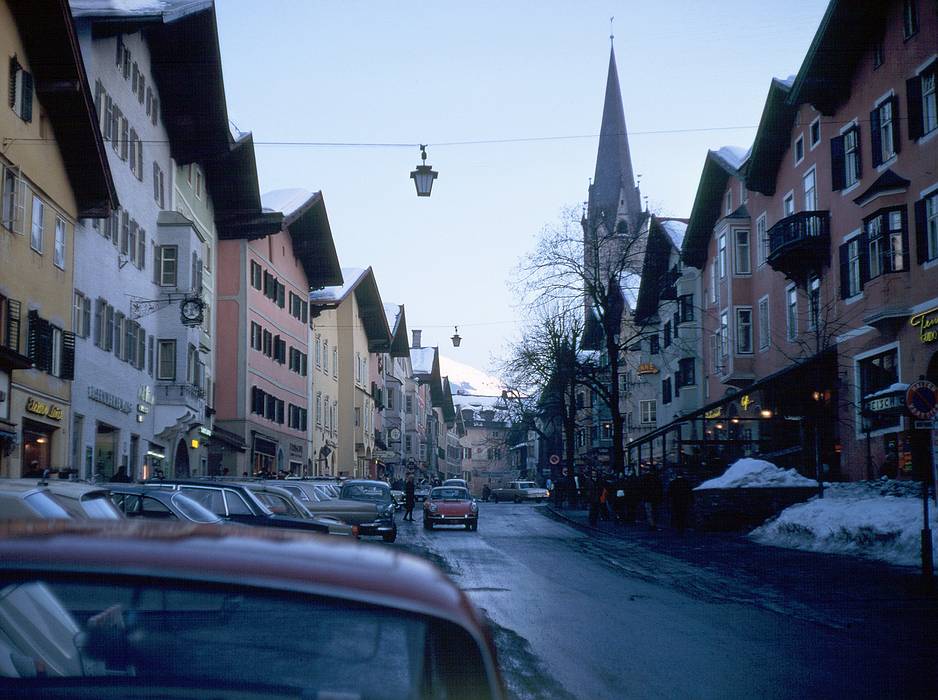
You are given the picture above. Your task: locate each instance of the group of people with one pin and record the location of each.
(625, 497)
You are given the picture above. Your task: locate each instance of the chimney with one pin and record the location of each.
(416, 343)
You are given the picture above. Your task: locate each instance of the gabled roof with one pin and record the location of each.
(717, 170)
(843, 36)
(398, 325)
(308, 224)
(613, 158)
(773, 138)
(887, 183)
(370, 307)
(448, 408)
(655, 268)
(425, 363)
(45, 27)
(182, 36)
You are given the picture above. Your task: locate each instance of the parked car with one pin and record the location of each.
(457, 482)
(97, 609)
(519, 491)
(79, 499)
(282, 502)
(360, 514)
(22, 499)
(234, 501)
(137, 501)
(422, 490)
(450, 505)
(377, 493)
(398, 497)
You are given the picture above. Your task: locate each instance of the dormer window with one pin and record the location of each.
(728, 203)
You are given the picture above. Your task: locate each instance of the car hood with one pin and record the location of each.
(452, 507)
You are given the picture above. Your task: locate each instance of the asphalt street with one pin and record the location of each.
(580, 616)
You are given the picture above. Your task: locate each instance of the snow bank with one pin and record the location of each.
(877, 520)
(752, 473)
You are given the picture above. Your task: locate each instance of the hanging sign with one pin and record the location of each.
(647, 368)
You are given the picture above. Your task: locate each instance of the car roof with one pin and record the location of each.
(60, 487)
(368, 482)
(19, 486)
(274, 559)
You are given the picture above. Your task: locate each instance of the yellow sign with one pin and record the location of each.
(927, 323)
(194, 444)
(40, 408)
(714, 413)
(745, 402)
(647, 368)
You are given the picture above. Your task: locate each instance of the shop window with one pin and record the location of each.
(37, 448)
(877, 373)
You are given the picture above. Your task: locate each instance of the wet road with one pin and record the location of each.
(584, 617)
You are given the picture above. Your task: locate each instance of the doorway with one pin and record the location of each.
(37, 448)
(181, 461)
(105, 450)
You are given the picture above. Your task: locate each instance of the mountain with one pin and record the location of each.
(468, 381)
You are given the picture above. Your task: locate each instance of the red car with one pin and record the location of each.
(100, 609)
(450, 505)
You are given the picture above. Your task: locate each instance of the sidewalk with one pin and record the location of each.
(840, 590)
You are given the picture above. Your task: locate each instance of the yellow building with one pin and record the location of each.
(53, 171)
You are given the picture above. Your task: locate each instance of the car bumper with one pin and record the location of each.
(378, 528)
(438, 519)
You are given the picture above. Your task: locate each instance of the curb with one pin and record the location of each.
(551, 512)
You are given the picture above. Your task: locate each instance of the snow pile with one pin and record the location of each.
(755, 473)
(855, 519)
(467, 380)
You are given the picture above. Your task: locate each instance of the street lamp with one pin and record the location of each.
(424, 175)
(456, 339)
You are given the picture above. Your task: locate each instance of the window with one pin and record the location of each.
(335, 362)
(141, 248)
(886, 243)
(124, 138)
(319, 352)
(118, 343)
(318, 408)
(788, 204)
(666, 390)
(851, 282)
(150, 352)
(846, 167)
(166, 360)
(762, 240)
(799, 149)
(809, 183)
(713, 283)
(814, 302)
(876, 373)
(653, 344)
(909, 18)
(649, 411)
(686, 374)
(744, 330)
(686, 307)
(56, 368)
(764, 330)
(879, 53)
(409, 404)
(724, 334)
(742, 252)
(166, 265)
(256, 336)
(255, 275)
(81, 315)
(926, 227)
(21, 91)
(267, 343)
(35, 236)
(358, 417)
(722, 254)
(325, 356)
(728, 203)
(921, 101)
(814, 132)
(14, 201)
(884, 134)
(791, 311)
(159, 186)
(667, 334)
(58, 252)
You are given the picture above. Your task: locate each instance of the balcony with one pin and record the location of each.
(185, 394)
(799, 245)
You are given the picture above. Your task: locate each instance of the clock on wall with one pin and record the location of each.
(191, 310)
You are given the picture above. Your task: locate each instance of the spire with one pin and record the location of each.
(614, 174)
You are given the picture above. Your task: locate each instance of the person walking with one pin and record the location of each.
(486, 493)
(681, 497)
(563, 485)
(652, 493)
(409, 498)
(594, 495)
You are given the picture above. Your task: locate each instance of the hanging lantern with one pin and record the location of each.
(456, 339)
(424, 175)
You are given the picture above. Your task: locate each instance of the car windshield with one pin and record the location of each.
(367, 492)
(449, 492)
(149, 632)
(527, 485)
(192, 510)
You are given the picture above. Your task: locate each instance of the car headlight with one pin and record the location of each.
(432, 508)
(474, 507)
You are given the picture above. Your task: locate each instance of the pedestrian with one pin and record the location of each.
(486, 493)
(618, 501)
(652, 493)
(409, 498)
(120, 476)
(594, 496)
(681, 497)
(549, 485)
(560, 493)
(574, 492)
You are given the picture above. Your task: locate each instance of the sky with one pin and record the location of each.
(527, 77)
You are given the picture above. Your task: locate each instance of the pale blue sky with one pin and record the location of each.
(395, 72)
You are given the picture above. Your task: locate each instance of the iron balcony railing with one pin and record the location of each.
(183, 394)
(806, 229)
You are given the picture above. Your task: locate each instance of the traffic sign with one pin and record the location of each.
(921, 398)
(554, 459)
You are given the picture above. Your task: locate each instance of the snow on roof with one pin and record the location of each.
(787, 82)
(478, 404)
(286, 201)
(675, 230)
(734, 156)
(466, 380)
(421, 359)
(351, 275)
(169, 9)
(879, 519)
(755, 473)
(392, 312)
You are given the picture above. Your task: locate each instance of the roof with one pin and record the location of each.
(281, 560)
(655, 267)
(708, 203)
(398, 324)
(370, 307)
(421, 359)
(732, 156)
(306, 219)
(182, 36)
(887, 182)
(47, 32)
(674, 229)
(843, 37)
(773, 138)
(478, 404)
(613, 158)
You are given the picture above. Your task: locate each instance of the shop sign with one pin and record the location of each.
(109, 399)
(145, 394)
(41, 408)
(884, 403)
(714, 413)
(647, 368)
(927, 323)
(205, 431)
(745, 402)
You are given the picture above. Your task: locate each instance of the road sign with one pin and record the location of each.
(554, 459)
(921, 398)
(925, 425)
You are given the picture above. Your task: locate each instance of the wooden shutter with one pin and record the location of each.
(837, 163)
(68, 355)
(27, 110)
(13, 325)
(14, 69)
(921, 232)
(876, 141)
(856, 131)
(844, 271)
(913, 98)
(896, 123)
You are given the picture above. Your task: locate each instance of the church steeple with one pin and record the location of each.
(614, 178)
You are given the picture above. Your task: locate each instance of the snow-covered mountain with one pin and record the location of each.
(467, 380)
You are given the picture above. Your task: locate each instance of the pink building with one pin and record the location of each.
(262, 390)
